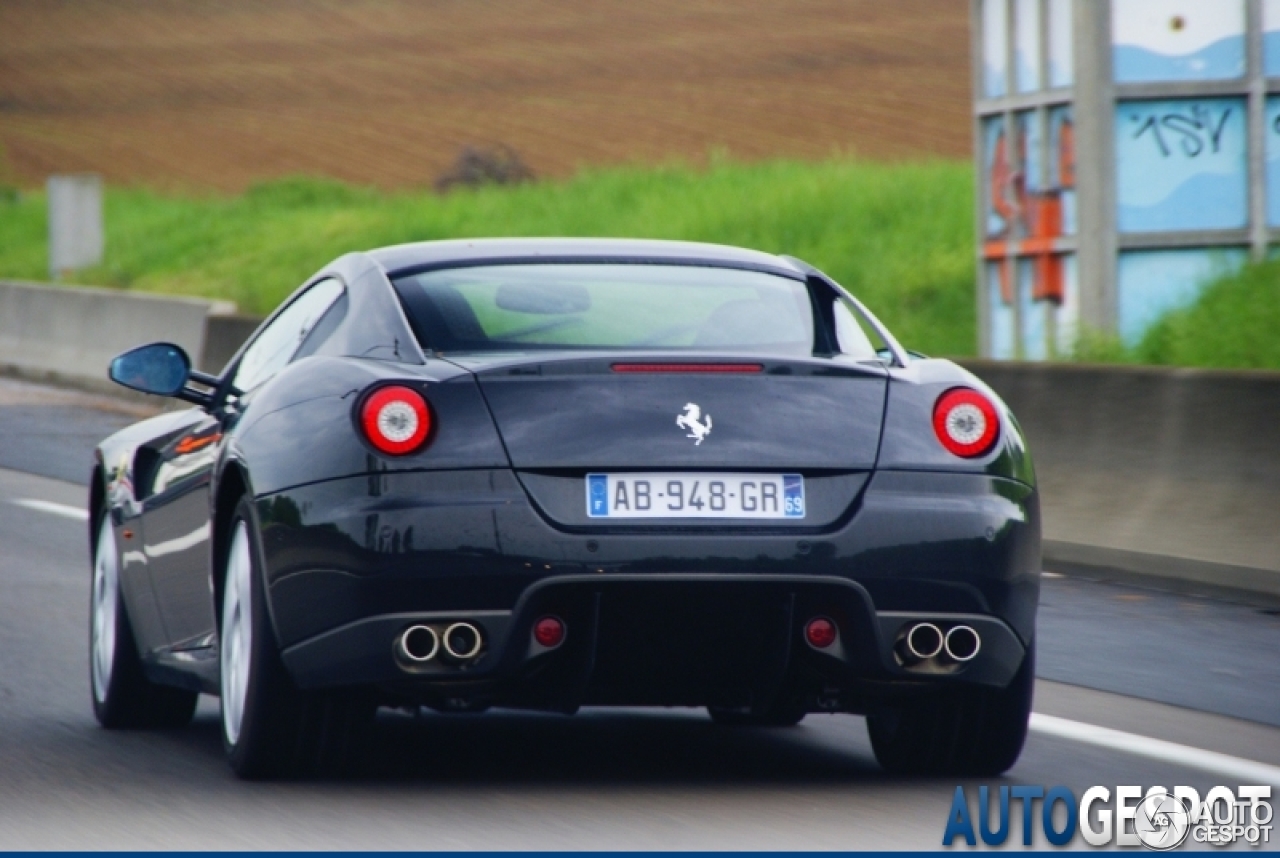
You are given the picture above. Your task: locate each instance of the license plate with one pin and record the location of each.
(695, 496)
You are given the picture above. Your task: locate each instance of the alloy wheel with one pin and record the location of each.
(106, 585)
(237, 632)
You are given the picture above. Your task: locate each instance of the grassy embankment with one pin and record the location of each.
(1235, 324)
(900, 236)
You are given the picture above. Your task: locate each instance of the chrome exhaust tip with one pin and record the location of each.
(924, 641)
(417, 644)
(962, 643)
(463, 641)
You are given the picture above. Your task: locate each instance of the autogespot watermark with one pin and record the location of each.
(1159, 819)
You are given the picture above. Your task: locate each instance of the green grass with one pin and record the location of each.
(899, 236)
(1235, 323)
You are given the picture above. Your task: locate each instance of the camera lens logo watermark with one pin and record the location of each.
(1162, 821)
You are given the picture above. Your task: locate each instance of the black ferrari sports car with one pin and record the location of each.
(555, 473)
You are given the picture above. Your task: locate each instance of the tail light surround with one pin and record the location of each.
(396, 419)
(966, 422)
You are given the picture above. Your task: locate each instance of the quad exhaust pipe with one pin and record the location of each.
(924, 641)
(417, 645)
(962, 643)
(459, 643)
(462, 641)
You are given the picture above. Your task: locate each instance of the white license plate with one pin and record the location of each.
(695, 495)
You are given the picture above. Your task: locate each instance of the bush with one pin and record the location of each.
(485, 165)
(1235, 323)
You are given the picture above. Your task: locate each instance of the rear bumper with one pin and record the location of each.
(351, 562)
(671, 639)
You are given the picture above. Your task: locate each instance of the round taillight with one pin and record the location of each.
(966, 422)
(396, 420)
(820, 632)
(549, 631)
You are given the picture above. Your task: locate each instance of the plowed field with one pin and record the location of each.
(222, 93)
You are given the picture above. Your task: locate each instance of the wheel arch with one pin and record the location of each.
(97, 506)
(231, 487)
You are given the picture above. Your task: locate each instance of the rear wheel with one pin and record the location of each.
(123, 697)
(973, 732)
(270, 728)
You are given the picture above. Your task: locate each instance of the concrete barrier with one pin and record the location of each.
(1153, 472)
(69, 334)
(223, 336)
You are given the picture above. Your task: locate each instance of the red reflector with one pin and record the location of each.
(548, 631)
(688, 367)
(966, 422)
(820, 632)
(396, 419)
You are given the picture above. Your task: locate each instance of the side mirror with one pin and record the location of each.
(161, 369)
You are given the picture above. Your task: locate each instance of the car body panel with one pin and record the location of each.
(580, 414)
(910, 405)
(271, 437)
(458, 540)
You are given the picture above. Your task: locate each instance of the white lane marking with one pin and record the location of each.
(1246, 771)
(55, 508)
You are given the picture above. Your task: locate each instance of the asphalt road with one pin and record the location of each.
(604, 779)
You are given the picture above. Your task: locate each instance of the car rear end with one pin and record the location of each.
(659, 481)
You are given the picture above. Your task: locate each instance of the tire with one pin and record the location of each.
(123, 697)
(781, 714)
(974, 732)
(270, 728)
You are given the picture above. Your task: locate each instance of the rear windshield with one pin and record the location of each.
(609, 306)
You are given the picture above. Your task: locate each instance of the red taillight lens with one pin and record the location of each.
(549, 631)
(396, 420)
(820, 632)
(966, 422)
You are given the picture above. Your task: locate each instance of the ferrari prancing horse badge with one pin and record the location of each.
(689, 420)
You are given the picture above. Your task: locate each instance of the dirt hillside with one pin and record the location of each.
(221, 93)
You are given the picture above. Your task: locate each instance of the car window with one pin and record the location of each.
(593, 305)
(276, 344)
(323, 329)
(850, 337)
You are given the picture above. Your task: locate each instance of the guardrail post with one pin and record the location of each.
(75, 223)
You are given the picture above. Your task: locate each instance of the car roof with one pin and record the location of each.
(404, 258)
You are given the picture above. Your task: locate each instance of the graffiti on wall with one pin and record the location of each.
(1030, 207)
(1181, 165)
